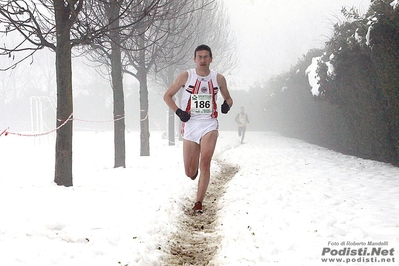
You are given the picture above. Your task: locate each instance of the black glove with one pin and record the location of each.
(183, 115)
(225, 107)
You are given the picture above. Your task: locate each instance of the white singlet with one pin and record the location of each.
(199, 99)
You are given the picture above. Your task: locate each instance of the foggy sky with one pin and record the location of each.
(273, 35)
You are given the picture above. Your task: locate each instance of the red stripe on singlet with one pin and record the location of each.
(212, 92)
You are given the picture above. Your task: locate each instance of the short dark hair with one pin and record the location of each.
(203, 47)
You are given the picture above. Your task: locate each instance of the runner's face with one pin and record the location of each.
(203, 59)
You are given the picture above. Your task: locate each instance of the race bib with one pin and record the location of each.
(201, 103)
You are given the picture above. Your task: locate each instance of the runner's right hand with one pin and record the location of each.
(183, 115)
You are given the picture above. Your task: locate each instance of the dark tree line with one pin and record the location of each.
(357, 109)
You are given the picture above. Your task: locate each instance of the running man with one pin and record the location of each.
(198, 111)
(242, 120)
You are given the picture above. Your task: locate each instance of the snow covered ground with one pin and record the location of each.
(289, 203)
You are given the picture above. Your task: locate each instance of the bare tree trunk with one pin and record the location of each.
(144, 116)
(171, 127)
(63, 149)
(119, 108)
(144, 112)
(171, 114)
(117, 89)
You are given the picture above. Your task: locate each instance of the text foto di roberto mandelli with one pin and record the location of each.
(355, 243)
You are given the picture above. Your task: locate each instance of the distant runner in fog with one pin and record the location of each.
(242, 120)
(199, 116)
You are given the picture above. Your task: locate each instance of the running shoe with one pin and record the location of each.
(197, 207)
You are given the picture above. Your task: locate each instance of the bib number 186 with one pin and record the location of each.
(201, 103)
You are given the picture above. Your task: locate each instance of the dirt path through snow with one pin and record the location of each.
(196, 241)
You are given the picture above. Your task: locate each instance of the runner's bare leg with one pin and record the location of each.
(207, 147)
(191, 155)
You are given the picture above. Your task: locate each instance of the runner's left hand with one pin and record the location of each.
(225, 107)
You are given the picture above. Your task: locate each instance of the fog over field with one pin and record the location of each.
(271, 36)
